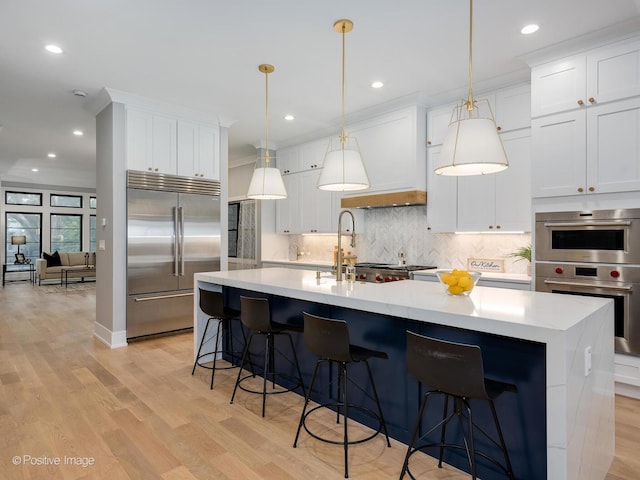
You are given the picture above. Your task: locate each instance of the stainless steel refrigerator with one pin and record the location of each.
(173, 231)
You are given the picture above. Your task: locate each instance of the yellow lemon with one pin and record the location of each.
(466, 283)
(455, 289)
(451, 279)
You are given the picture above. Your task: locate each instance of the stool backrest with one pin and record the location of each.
(212, 303)
(255, 313)
(453, 368)
(326, 337)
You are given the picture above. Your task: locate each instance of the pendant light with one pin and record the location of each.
(472, 145)
(266, 182)
(343, 169)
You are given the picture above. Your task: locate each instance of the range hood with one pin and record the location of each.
(379, 200)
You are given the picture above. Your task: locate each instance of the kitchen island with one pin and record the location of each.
(557, 350)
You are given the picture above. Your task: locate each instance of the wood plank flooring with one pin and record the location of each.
(137, 413)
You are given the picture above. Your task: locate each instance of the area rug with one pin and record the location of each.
(71, 288)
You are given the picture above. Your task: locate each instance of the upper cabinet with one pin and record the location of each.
(599, 76)
(197, 150)
(167, 144)
(393, 150)
(586, 123)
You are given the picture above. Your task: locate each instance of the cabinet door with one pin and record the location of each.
(476, 203)
(208, 152)
(512, 108)
(316, 206)
(139, 140)
(558, 149)
(312, 154)
(288, 209)
(288, 159)
(513, 186)
(613, 147)
(164, 148)
(613, 73)
(187, 149)
(441, 197)
(437, 124)
(198, 149)
(558, 86)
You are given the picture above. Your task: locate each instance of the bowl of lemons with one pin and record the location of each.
(458, 282)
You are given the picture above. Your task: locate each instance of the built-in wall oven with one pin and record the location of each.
(594, 253)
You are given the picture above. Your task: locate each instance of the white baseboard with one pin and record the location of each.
(109, 338)
(627, 390)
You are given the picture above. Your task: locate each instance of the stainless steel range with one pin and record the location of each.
(382, 272)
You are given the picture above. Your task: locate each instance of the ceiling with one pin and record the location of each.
(204, 55)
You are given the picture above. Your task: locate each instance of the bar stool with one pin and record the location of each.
(256, 316)
(212, 304)
(454, 370)
(329, 340)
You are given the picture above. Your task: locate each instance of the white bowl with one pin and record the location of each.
(452, 287)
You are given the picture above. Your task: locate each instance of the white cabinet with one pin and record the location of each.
(198, 147)
(442, 194)
(599, 76)
(288, 214)
(151, 142)
(166, 144)
(438, 123)
(393, 150)
(501, 201)
(512, 108)
(587, 152)
(587, 125)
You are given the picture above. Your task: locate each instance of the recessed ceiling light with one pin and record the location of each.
(78, 133)
(34, 169)
(79, 93)
(527, 29)
(377, 85)
(51, 155)
(289, 117)
(53, 49)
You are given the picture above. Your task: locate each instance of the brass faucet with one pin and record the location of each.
(353, 242)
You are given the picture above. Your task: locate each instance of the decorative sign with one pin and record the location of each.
(485, 264)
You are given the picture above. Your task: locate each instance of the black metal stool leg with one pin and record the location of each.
(414, 435)
(503, 446)
(244, 359)
(443, 431)
(215, 352)
(345, 378)
(295, 359)
(268, 355)
(204, 334)
(375, 396)
(306, 402)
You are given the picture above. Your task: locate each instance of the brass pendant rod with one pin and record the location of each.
(470, 101)
(343, 137)
(266, 69)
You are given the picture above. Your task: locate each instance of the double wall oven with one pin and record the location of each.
(594, 253)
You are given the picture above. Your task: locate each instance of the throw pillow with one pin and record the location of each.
(53, 260)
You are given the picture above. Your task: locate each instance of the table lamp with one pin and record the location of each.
(18, 240)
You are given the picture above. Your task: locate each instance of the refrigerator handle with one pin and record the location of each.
(181, 241)
(176, 243)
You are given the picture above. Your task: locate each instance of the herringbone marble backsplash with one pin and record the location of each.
(387, 231)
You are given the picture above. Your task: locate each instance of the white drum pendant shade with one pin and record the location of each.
(266, 184)
(343, 170)
(472, 146)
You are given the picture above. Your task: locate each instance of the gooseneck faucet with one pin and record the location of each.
(353, 242)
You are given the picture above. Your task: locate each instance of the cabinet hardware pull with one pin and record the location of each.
(498, 226)
(150, 169)
(428, 142)
(592, 100)
(580, 102)
(490, 227)
(580, 189)
(592, 189)
(499, 128)
(156, 169)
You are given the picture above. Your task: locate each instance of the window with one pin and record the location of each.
(92, 233)
(66, 233)
(233, 218)
(73, 201)
(93, 202)
(27, 224)
(23, 198)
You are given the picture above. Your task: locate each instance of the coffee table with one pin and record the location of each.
(78, 271)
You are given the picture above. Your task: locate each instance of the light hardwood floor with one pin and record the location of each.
(137, 413)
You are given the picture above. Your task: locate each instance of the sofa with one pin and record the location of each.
(51, 265)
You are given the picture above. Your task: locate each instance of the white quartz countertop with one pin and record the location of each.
(534, 316)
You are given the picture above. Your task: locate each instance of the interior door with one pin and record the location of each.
(200, 250)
